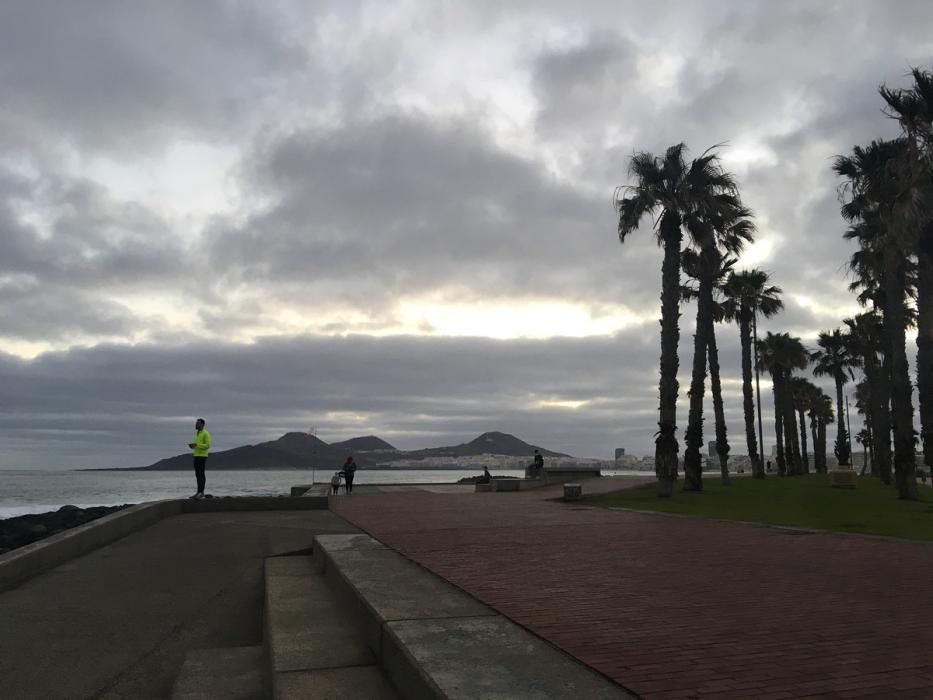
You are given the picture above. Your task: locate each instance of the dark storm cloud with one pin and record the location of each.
(130, 76)
(376, 209)
(584, 84)
(62, 270)
(415, 392)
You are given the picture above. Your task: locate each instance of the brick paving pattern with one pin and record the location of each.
(677, 607)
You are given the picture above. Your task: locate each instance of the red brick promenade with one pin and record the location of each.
(675, 607)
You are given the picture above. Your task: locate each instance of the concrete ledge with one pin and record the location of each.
(25, 562)
(484, 657)
(558, 475)
(36, 558)
(236, 504)
(435, 641)
(510, 485)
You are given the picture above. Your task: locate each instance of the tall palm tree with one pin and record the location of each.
(821, 414)
(913, 108)
(877, 194)
(803, 394)
(746, 294)
(691, 266)
(835, 359)
(727, 233)
(780, 354)
(865, 335)
(682, 194)
(865, 437)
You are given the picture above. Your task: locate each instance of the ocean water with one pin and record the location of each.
(37, 491)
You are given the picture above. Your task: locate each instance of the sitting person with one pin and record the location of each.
(486, 477)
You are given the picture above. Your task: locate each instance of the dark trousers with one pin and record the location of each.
(349, 479)
(199, 464)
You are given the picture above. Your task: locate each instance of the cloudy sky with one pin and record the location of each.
(395, 217)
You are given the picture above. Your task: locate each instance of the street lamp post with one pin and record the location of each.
(312, 431)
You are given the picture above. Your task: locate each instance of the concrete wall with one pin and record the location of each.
(33, 559)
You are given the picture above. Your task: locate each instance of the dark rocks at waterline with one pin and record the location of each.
(26, 529)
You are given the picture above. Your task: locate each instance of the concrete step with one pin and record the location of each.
(435, 641)
(316, 646)
(234, 673)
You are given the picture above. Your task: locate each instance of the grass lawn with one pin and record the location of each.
(804, 501)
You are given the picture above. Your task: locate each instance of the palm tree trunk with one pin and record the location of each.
(779, 422)
(925, 342)
(693, 470)
(821, 433)
(901, 403)
(880, 418)
(816, 444)
(842, 443)
(884, 398)
(804, 457)
(791, 441)
(868, 451)
(722, 441)
(665, 444)
(748, 395)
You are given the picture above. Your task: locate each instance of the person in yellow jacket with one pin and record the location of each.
(200, 448)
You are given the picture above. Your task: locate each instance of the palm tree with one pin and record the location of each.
(780, 354)
(803, 393)
(865, 437)
(683, 195)
(729, 233)
(865, 336)
(746, 294)
(835, 359)
(913, 108)
(821, 414)
(879, 196)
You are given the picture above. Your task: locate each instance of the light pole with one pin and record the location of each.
(761, 440)
(312, 431)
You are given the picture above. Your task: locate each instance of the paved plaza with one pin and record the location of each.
(674, 607)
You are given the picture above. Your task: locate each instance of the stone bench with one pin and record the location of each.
(572, 492)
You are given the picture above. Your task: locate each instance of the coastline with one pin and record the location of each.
(21, 530)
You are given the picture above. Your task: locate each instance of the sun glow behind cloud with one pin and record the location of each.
(503, 320)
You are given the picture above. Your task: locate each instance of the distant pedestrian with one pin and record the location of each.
(335, 483)
(349, 469)
(200, 448)
(539, 464)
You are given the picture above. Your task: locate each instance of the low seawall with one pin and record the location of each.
(33, 559)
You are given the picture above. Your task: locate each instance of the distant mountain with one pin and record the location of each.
(301, 451)
(493, 443)
(367, 443)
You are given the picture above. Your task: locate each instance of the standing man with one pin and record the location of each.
(349, 470)
(200, 447)
(539, 464)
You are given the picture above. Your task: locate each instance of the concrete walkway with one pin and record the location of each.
(117, 623)
(677, 607)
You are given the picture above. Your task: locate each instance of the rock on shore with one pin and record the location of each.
(26, 529)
